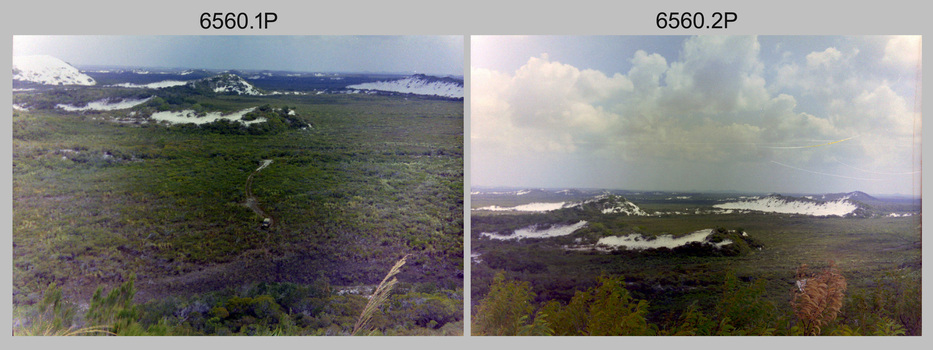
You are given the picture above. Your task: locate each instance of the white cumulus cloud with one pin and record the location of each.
(716, 102)
(903, 51)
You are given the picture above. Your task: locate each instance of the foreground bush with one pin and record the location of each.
(817, 307)
(262, 309)
(505, 309)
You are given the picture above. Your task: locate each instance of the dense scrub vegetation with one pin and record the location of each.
(96, 198)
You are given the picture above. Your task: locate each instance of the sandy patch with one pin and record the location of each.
(189, 116)
(265, 163)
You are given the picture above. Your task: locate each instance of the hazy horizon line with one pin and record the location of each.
(507, 187)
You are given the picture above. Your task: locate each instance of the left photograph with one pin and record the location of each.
(237, 185)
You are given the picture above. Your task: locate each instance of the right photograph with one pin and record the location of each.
(695, 185)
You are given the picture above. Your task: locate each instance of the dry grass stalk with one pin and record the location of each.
(50, 330)
(378, 297)
(818, 297)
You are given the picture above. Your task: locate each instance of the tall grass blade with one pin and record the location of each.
(379, 297)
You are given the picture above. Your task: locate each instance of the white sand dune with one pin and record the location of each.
(104, 105)
(617, 205)
(155, 85)
(48, 70)
(638, 242)
(627, 208)
(773, 204)
(415, 85)
(530, 207)
(534, 232)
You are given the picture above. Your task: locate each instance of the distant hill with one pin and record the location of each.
(48, 70)
(226, 83)
(135, 78)
(418, 84)
(855, 196)
(570, 192)
(604, 204)
(611, 204)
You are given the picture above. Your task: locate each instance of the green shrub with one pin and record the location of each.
(894, 297)
(220, 312)
(745, 306)
(116, 310)
(605, 310)
(505, 309)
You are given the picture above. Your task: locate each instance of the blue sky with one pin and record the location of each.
(436, 55)
(785, 114)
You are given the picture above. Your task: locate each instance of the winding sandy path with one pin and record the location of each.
(251, 201)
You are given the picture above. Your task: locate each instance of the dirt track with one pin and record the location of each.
(251, 201)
